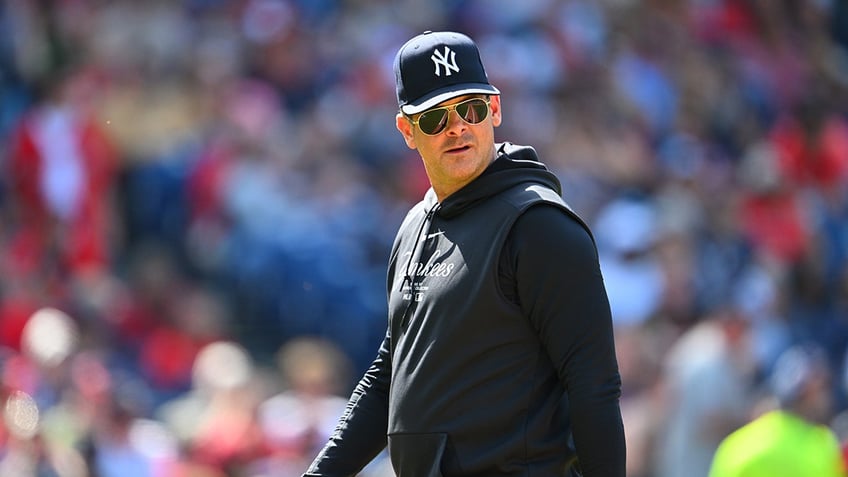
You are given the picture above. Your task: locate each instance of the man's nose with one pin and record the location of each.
(455, 123)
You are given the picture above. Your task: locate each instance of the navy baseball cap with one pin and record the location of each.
(436, 66)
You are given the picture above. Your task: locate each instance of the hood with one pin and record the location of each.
(514, 165)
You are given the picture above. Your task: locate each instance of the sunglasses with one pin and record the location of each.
(433, 121)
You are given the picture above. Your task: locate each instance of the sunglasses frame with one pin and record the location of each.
(451, 107)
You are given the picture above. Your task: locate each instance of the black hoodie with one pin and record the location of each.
(499, 348)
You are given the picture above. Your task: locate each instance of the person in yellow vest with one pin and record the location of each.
(791, 440)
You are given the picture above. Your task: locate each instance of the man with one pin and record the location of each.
(499, 355)
(705, 393)
(791, 441)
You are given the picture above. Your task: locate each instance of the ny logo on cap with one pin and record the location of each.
(441, 59)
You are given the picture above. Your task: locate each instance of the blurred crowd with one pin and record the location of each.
(198, 198)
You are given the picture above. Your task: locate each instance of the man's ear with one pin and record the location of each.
(495, 107)
(405, 127)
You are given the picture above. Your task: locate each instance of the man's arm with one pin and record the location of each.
(559, 286)
(361, 432)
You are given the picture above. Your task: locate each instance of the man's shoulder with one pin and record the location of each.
(529, 193)
(529, 196)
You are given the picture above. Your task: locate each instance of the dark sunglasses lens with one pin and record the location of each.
(473, 111)
(433, 121)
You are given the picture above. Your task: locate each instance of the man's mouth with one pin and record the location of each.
(455, 150)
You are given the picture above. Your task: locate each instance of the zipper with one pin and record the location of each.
(410, 277)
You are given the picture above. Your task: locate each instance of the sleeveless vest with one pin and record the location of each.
(470, 379)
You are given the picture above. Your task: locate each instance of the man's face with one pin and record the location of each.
(460, 152)
(817, 398)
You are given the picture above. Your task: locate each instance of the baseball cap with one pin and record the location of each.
(436, 66)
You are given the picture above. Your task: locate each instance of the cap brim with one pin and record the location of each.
(447, 93)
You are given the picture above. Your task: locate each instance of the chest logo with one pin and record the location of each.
(431, 269)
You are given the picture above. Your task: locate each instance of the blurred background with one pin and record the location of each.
(198, 198)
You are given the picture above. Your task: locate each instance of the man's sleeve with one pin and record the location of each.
(361, 432)
(559, 286)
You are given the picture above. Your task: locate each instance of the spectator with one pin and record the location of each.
(792, 440)
(707, 393)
